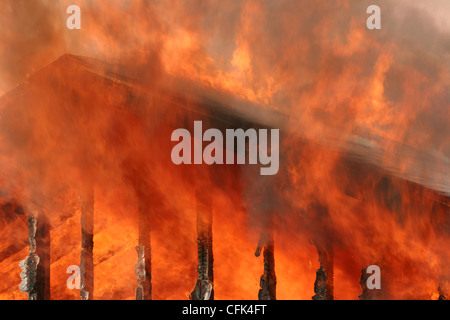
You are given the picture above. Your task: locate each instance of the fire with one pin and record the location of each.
(364, 147)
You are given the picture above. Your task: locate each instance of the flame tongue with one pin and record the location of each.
(364, 151)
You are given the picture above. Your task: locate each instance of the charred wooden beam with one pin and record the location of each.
(43, 251)
(268, 281)
(320, 285)
(87, 245)
(143, 263)
(440, 221)
(204, 288)
(36, 267)
(29, 265)
(322, 239)
(146, 196)
(324, 284)
(444, 287)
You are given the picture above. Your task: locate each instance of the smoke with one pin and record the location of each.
(31, 37)
(316, 62)
(382, 94)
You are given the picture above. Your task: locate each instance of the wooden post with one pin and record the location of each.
(43, 252)
(268, 281)
(36, 267)
(87, 245)
(204, 288)
(143, 264)
(324, 284)
(444, 287)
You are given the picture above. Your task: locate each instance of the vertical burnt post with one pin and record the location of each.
(268, 281)
(204, 288)
(324, 284)
(143, 249)
(29, 265)
(444, 287)
(87, 244)
(43, 252)
(323, 240)
(35, 273)
(440, 219)
(139, 178)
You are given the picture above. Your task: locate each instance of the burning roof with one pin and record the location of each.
(80, 122)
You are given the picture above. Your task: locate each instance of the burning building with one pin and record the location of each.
(86, 177)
